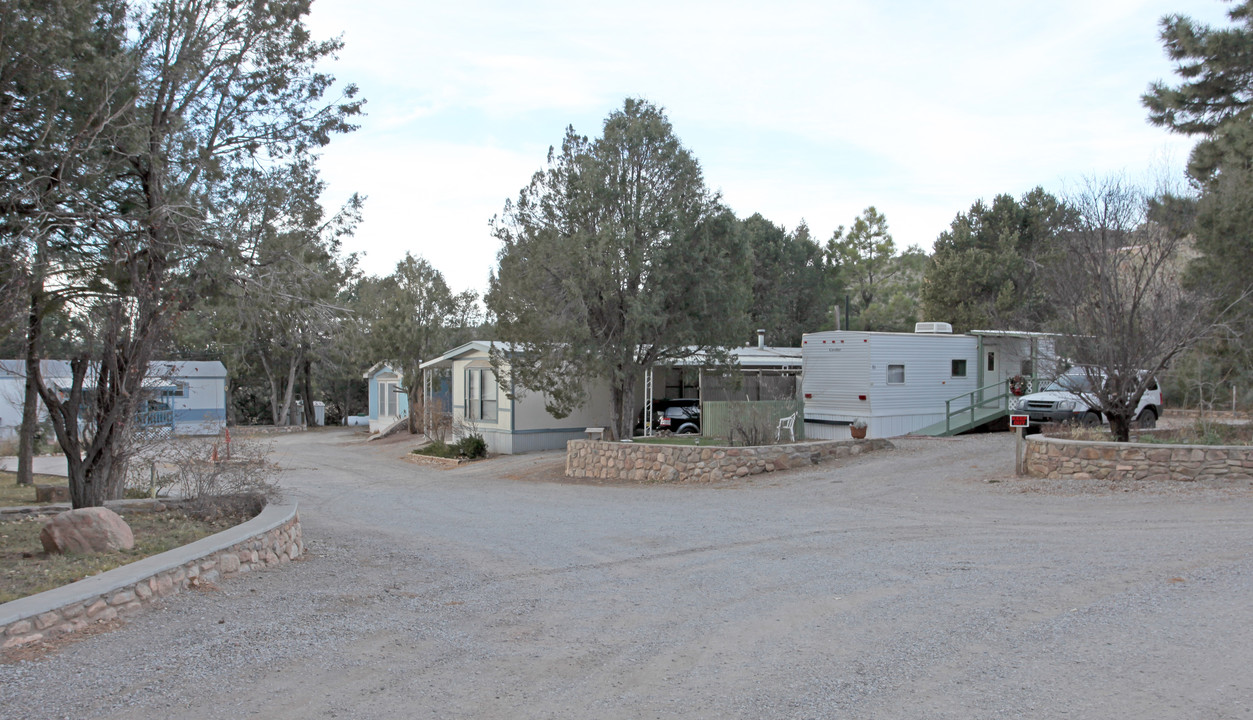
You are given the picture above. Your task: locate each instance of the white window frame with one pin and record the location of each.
(388, 400)
(482, 395)
(902, 375)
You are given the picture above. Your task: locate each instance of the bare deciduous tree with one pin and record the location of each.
(1121, 308)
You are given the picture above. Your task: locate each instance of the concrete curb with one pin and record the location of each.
(271, 518)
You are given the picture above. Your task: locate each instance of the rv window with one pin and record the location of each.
(896, 374)
(959, 368)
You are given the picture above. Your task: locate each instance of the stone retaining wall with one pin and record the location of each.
(251, 430)
(648, 462)
(1080, 459)
(271, 538)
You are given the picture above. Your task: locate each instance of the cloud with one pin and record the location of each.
(795, 109)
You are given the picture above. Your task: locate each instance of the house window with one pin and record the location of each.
(991, 361)
(959, 368)
(481, 394)
(896, 374)
(178, 389)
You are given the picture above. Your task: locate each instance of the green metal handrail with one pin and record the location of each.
(978, 398)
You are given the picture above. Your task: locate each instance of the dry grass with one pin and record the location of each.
(25, 569)
(13, 495)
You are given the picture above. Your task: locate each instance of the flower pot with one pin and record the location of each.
(858, 432)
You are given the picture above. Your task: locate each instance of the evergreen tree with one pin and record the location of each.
(1214, 99)
(615, 258)
(790, 287)
(983, 271)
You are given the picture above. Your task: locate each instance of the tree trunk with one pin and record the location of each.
(1120, 427)
(26, 436)
(273, 383)
(280, 412)
(89, 483)
(30, 410)
(30, 401)
(623, 405)
(307, 388)
(289, 392)
(415, 404)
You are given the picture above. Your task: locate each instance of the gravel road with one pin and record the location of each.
(924, 582)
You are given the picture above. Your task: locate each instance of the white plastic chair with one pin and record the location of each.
(787, 423)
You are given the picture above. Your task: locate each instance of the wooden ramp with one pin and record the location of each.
(963, 420)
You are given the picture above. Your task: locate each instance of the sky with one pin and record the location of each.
(806, 111)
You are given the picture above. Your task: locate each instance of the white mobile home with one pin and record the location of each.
(192, 395)
(509, 425)
(898, 383)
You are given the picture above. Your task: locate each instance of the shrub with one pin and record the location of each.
(437, 448)
(218, 482)
(472, 446)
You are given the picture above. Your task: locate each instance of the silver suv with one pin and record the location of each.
(1069, 399)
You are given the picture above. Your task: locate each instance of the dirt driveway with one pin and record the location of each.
(902, 584)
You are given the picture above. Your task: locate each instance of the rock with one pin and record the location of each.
(86, 530)
(230, 563)
(52, 493)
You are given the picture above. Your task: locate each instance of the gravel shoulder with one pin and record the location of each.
(924, 582)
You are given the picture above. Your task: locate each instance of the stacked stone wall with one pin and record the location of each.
(277, 545)
(648, 462)
(253, 430)
(1084, 460)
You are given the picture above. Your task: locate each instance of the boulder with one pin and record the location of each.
(52, 493)
(86, 530)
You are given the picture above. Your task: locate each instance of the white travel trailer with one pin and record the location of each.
(929, 381)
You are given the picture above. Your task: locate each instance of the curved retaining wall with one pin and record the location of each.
(647, 462)
(270, 538)
(1081, 459)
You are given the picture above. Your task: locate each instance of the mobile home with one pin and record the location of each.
(902, 383)
(191, 395)
(517, 424)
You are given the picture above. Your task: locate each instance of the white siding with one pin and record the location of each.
(928, 361)
(495, 433)
(836, 372)
(841, 366)
(532, 416)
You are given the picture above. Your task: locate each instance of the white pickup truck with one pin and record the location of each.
(1068, 398)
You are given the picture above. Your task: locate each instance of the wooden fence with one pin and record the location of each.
(741, 422)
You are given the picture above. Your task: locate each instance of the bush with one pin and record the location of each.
(217, 482)
(437, 448)
(472, 446)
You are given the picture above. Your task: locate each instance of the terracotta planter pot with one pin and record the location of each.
(858, 433)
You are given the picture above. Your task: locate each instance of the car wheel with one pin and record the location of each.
(687, 429)
(1090, 419)
(1147, 418)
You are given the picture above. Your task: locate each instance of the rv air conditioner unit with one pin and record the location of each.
(933, 328)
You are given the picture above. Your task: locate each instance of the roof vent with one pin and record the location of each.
(933, 328)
